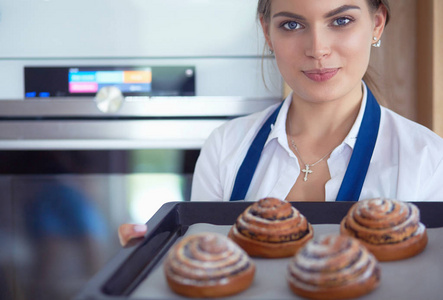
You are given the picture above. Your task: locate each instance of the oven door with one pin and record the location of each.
(60, 210)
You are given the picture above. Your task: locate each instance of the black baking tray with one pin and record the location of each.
(118, 279)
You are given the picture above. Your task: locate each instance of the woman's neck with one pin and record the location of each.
(320, 120)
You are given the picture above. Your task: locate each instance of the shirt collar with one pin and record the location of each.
(353, 133)
(278, 130)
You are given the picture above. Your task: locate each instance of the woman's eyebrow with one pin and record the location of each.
(327, 15)
(340, 9)
(289, 15)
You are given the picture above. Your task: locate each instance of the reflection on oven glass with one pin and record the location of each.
(148, 192)
(62, 230)
(60, 211)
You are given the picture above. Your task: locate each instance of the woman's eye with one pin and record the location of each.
(291, 25)
(341, 21)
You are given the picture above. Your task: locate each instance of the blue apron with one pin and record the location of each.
(355, 175)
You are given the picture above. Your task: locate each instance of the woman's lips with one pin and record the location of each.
(320, 75)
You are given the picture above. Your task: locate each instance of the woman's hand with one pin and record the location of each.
(128, 232)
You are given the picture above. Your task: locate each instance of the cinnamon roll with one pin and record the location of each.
(390, 229)
(208, 265)
(333, 267)
(271, 228)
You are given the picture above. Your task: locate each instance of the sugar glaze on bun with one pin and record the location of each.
(333, 267)
(208, 265)
(390, 229)
(271, 228)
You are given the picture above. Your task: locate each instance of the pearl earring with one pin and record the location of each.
(377, 44)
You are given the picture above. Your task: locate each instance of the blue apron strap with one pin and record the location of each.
(361, 155)
(247, 168)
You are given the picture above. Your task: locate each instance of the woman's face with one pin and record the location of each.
(322, 47)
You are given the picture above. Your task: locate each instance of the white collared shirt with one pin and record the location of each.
(406, 164)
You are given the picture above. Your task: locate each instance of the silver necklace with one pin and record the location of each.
(307, 170)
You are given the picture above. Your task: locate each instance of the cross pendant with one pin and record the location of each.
(307, 171)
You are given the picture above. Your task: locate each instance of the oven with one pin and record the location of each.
(71, 174)
(104, 106)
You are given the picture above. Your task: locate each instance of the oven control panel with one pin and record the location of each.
(86, 81)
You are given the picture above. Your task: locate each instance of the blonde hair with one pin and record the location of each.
(264, 8)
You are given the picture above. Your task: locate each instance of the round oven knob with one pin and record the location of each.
(109, 99)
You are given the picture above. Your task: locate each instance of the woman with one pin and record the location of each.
(306, 149)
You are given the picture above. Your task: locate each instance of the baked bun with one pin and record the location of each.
(390, 229)
(333, 267)
(208, 265)
(271, 228)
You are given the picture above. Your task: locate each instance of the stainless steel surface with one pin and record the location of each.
(140, 123)
(136, 107)
(105, 134)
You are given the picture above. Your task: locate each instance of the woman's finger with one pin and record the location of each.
(127, 232)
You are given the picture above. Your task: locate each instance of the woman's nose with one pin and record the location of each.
(317, 46)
